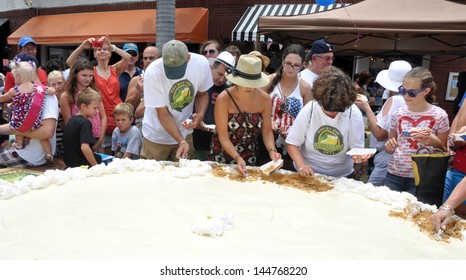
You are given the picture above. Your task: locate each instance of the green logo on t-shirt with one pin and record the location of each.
(328, 140)
(181, 94)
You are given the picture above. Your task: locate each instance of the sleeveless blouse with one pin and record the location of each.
(284, 111)
(243, 129)
(110, 91)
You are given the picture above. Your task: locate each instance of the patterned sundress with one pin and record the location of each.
(27, 109)
(243, 130)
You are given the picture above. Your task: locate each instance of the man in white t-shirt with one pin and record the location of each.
(172, 86)
(33, 154)
(320, 56)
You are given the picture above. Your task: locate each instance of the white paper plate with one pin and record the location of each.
(361, 151)
(459, 137)
(209, 127)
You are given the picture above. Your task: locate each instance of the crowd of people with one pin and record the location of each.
(221, 105)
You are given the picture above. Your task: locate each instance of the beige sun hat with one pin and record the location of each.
(265, 59)
(248, 72)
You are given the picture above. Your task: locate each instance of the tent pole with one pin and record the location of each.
(257, 44)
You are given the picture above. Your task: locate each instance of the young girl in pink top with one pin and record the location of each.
(418, 91)
(81, 77)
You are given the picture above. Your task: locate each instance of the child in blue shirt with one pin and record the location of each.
(126, 138)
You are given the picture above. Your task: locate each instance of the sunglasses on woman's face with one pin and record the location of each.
(410, 92)
(211, 52)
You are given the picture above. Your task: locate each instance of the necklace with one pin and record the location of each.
(103, 74)
(283, 94)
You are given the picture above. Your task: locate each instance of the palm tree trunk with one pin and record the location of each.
(165, 22)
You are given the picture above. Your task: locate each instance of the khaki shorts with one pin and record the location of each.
(151, 150)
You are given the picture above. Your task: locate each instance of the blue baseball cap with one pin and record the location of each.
(131, 47)
(23, 41)
(321, 46)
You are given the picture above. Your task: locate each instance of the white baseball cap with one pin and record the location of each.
(225, 58)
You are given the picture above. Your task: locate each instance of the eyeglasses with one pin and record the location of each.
(211, 52)
(148, 58)
(410, 92)
(290, 65)
(133, 54)
(327, 58)
(29, 49)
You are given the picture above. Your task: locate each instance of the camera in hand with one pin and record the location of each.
(97, 44)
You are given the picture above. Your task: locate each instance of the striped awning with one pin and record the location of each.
(246, 28)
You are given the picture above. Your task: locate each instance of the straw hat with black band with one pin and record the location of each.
(248, 72)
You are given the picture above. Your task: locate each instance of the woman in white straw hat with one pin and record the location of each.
(241, 112)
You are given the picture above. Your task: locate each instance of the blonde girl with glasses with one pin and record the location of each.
(418, 91)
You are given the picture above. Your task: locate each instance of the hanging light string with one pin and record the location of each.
(358, 37)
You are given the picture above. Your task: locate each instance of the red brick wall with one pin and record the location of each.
(441, 70)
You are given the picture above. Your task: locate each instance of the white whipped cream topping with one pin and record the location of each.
(150, 210)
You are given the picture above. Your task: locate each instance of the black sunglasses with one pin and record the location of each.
(410, 92)
(209, 51)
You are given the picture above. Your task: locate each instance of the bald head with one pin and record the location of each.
(150, 54)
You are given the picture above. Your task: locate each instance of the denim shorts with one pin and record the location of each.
(379, 172)
(452, 179)
(400, 184)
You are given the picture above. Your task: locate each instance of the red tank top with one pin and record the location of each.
(110, 91)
